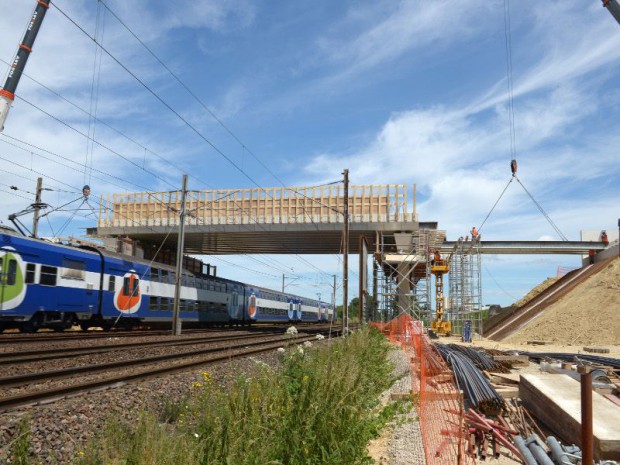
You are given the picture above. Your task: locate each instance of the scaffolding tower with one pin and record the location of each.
(465, 298)
(404, 284)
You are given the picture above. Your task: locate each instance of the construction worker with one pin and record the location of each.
(437, 256)
(591, 255)
(474, 233)
(604, 238)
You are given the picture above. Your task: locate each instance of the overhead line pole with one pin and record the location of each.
(37, 207)
(176, 322)
(345, 258)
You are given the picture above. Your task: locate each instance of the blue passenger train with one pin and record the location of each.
(49, 285)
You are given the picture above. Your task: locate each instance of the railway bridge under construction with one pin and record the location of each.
(382, 223)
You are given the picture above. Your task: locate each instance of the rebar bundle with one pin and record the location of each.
(477, 390)
(481, 359)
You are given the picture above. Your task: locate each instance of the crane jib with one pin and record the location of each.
(25, 48)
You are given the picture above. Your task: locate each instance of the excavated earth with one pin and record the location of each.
(534, 292)
(587, 315)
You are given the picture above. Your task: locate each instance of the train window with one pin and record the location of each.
(153, 303)
(130, 287)
(30, 272)
(48, 275)
(164, 304)
(12, 272)
(111, 284)
(73, 269)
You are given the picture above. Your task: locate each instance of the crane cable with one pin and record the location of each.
(511, 115)
(553, 225)
(495, 204)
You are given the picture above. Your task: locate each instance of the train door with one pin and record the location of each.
(234, 305)
(299, 314)
(291, 309)
(11, 282)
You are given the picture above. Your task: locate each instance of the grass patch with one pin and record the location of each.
(21, 443)
(320, 408)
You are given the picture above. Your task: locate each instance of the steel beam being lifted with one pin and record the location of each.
(532, 247)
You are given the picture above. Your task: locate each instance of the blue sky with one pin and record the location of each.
(396, 91)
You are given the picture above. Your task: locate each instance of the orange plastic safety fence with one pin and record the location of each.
(440, 401)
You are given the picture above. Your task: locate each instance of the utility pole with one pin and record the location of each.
(345, 260)
(375, 294)
(334, 298)
(37, 207)
(176, 322)
(283, 283)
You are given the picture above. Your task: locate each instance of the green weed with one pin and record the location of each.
(320, 408)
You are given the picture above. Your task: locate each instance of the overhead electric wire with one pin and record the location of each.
(70, 167)
(206, 108)
(94, 90)
(77, 163)
(160, 99)
(112, 128)
(87, 136)
(168, 106)
(156, 95)
(13, 193)
(108, 174)
(146, 149)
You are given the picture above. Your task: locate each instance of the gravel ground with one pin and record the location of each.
(63, 428)
(401, 442)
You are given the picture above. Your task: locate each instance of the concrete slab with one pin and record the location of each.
(556, 401)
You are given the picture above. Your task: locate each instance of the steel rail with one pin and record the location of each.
(14, 358)
(19, 338)
(20, 380)
(53, 394)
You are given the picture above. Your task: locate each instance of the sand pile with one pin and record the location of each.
(534, 292)
(589, 314)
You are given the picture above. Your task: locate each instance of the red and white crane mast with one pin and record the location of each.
(7, 93)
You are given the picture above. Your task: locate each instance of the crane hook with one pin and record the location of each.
(513, 167)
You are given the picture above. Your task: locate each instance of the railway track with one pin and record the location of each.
(16, 358)
(171, 363)
(20, 338)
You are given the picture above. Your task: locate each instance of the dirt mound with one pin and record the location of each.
(589, 314)
(534, 292)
